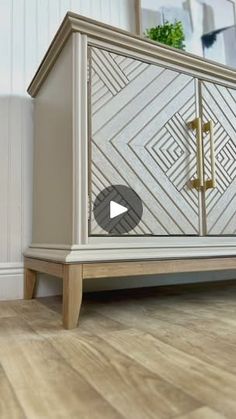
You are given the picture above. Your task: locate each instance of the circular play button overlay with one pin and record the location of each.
(118, 209)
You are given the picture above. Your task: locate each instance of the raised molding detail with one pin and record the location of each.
(132, 253)
(11, 268)
(101, 32)
(144, 242)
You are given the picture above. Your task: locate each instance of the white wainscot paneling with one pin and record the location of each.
(28, 26)
(16, 159)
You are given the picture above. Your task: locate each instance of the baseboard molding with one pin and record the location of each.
(10, 268)
(11, 281)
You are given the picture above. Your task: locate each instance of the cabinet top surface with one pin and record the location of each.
(130, 43)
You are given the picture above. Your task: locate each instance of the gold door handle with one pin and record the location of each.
(209, 127)
(196, 124)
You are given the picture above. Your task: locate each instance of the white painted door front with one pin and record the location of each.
(219, 106)
(139, 138)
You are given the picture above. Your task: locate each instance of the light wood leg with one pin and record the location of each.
(72, 294)
(29, 283)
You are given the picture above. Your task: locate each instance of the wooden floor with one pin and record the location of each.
(167, 352)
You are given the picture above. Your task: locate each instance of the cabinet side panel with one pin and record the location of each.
(52, 212)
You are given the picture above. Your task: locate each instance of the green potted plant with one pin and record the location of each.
(171, 34)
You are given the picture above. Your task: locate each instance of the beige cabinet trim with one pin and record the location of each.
(106, 254)
(80, 139)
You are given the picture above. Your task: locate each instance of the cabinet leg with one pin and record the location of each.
(29, 283)
(72, 294)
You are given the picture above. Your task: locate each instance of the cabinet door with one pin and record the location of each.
(219, 106)
(139, 138)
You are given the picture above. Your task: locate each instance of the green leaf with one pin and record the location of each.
(171, 34)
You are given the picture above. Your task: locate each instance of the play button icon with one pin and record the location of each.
(117, 209)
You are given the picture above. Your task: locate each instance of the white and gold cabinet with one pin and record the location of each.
(115, 109)
(168, 136)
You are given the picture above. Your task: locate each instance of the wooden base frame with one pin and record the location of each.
(73, 274)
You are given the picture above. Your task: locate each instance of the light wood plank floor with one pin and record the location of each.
(164, 352)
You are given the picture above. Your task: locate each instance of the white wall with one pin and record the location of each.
(26, 29)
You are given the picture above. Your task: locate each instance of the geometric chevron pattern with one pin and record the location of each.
(225, 159)
(172, 151)
(110, 75)
(139, 138)
(219, 105)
